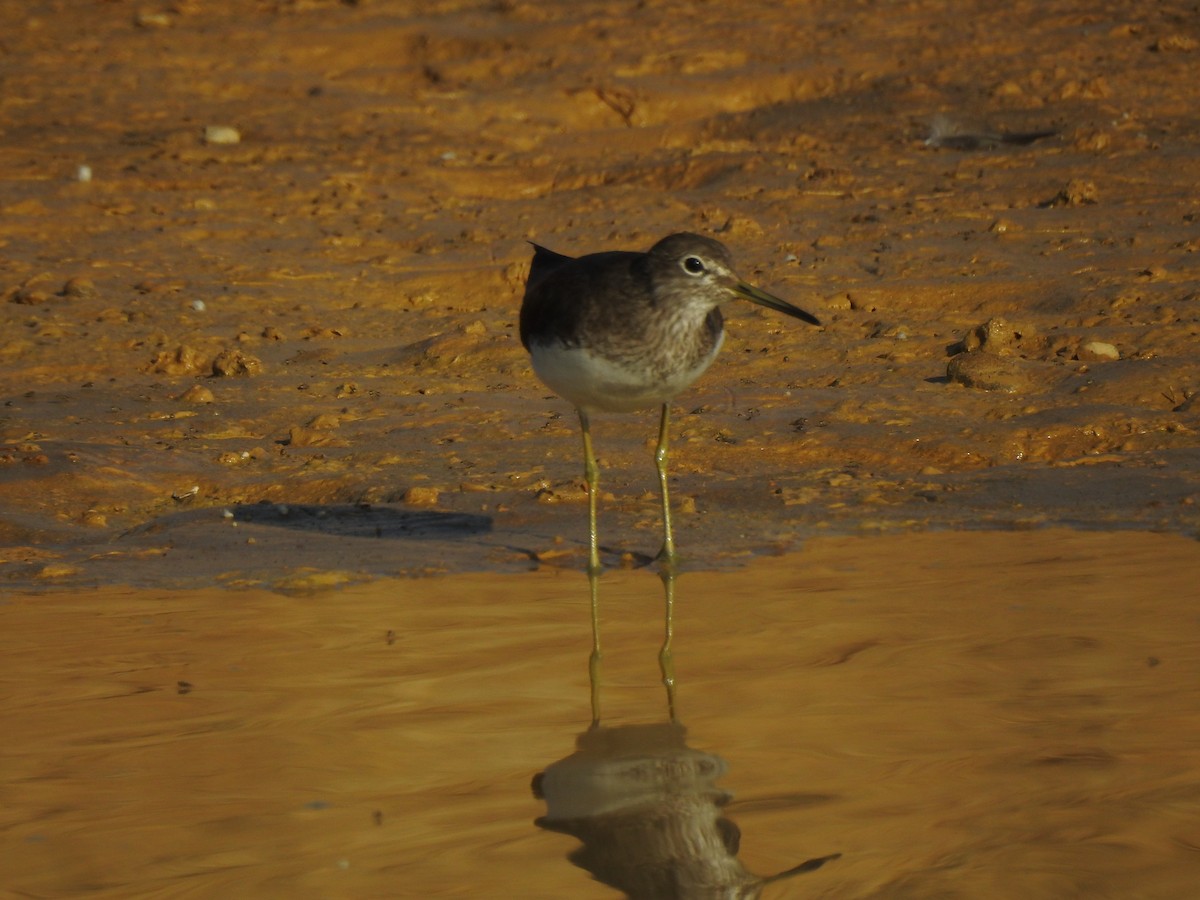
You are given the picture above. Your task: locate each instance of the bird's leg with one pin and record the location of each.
(591, 474)
(666, 657)
(594, 659)
(667, 554)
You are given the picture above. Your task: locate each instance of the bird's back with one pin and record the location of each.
(562, 292)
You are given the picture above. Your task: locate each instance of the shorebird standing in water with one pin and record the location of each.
(620, 331)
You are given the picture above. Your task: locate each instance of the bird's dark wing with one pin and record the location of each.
(544, 262)
(562, 293)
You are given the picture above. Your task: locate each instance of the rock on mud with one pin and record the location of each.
(993, 336)
(988, 372)
(197, 393)
(1098, 351)
(183, 360)
(234, 362)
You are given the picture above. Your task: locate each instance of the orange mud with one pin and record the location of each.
(260, 266)
(323, 313)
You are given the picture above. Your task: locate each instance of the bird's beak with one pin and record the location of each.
(762, 298)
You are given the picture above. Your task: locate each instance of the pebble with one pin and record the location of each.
(152, 19)
(1078, 192)
(1096, 350)
(56, 570)
(79, 287)
(987, 372)
(993, 336)
(304, 436)
(421, 496)
(183, 360)
(234, 362)
(324, 422)
(30, 297)
(221, 134)
(197, 393)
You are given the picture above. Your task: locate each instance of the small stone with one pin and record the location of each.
(152, 18)
(197, 393)
(987, 372)
(56, 570)
(1098, 350)
(1008, 88)
(221, 134)
(324, 422)
(79, 288)
(1174, 41)
(31, 296)
(234, 362)
(1078, 192)
(183, 360)
(302, 436)
(421, 496)
(993, 336)
(1093, 141)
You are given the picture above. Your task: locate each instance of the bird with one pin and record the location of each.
(618, 331)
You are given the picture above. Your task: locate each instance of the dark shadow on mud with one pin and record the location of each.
(333, 520)
(366, 521)
(262, 542)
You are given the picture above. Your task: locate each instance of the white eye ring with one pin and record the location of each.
(693, 265)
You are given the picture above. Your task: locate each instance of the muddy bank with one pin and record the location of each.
(274, 253)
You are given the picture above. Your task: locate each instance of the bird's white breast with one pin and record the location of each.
(591, 381)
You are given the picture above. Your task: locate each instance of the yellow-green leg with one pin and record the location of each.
(667, 553)
(668, 558)
(591, 474)
(666, 657)
(594, 659)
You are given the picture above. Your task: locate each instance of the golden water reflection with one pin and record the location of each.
(957, 715)
(645, 805)
(649, 814)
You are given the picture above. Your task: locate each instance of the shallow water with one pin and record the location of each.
(956, 715)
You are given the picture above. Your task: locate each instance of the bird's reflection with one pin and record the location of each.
(645, 805)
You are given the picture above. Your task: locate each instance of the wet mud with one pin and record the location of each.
(273, 253)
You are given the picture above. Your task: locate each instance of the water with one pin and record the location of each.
(956, 715)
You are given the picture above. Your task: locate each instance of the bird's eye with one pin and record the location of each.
(693, 265)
